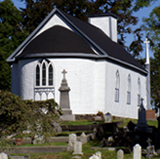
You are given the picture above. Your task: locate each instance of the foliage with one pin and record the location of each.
(17, 115)
(11, 35)
(152, 28)
(36, 11)
(5, 73)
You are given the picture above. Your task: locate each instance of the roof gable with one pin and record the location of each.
(56, 39)
(92, 35)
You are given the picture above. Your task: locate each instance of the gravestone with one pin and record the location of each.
(120, 154)
(3, 155)
(70, 147)
(94, 133)
(72, 138)
(150, 149)
(78, 148)
(142, 124)
(98, 154)
(64, 100)
(107, 118)
(137, 151)
(83, 138)
(94, 157)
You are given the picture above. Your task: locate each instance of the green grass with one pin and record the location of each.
(125, 122)
(46, 144)
(87, 152)
(152, 123)
(80, 122)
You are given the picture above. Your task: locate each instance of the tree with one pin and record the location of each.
(152, 28)
(17, 115)
(5, 73)
(11, 35)
(37, 10)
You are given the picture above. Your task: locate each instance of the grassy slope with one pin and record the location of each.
(87, 152)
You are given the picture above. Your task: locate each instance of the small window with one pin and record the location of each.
(129, 90)
(50, 75)
(117, 87)
(37, 76)
(43, 74)
(139, 92)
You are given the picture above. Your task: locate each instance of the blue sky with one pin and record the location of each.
(140, 14)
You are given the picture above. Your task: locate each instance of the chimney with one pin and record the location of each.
(106, 22)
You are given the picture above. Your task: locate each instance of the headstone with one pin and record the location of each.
(120, 154)
(83, 138)
(72, 138)
(57, 127)
(103, 142)
(94, 133)
(70, 147)
(107, 117)
(142, 124)
(98, 154)
(3, 155)
(94, 157)
(78, 148)
(64, 100)
(137, 151)
(150, 149)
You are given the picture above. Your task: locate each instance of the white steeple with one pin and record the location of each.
(147, 51)
(147, 65)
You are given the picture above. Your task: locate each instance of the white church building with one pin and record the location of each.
(101, 74)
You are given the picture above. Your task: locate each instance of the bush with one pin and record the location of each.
(17, 115)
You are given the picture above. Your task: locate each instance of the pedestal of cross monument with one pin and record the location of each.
(142, 124)
(64, 100)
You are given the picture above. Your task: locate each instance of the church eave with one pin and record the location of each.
(82, 55)
(142, 70)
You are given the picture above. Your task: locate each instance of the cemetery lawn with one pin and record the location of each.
(125, 122)
(87, 152)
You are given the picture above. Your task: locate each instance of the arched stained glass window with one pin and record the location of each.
(129, 90)
(139, 92)
(37, 76)
(117, 86)
(50, 75)
(43, 74)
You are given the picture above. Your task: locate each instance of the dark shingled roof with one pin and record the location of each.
(57, 40)
(102, 41)
(61, 42)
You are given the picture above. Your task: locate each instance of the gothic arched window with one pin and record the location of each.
(117, 83)
(37, 76)
(50, 75)
(129, 90)
(43, 74)
(139, 92)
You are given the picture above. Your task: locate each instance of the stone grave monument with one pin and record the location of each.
(142, 124)
(120, 154)
(107, 117)
(150, 149)
(3, 155)
(64, 100)
(72, 138)
(78, 148)
(83, 138)
(137, 152)
(94, 157)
